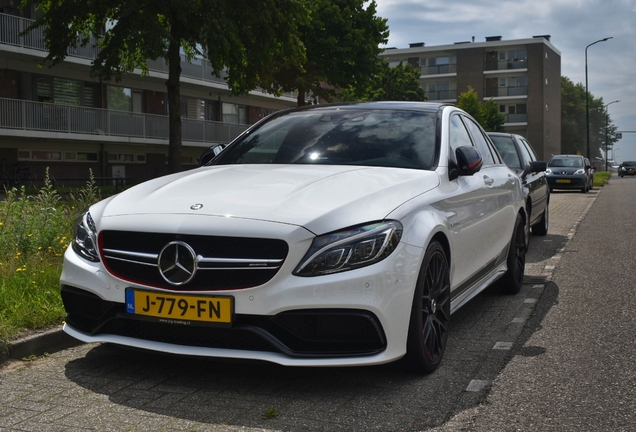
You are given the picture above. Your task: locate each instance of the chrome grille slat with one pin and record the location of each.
(134, 256)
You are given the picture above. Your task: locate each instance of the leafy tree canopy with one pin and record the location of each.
(342, 41)
(492, 119)
(399, 83)
(253, 40)
(469, 102)
(573, 121)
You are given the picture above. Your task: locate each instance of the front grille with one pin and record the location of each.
(222, 263)
(310, 333)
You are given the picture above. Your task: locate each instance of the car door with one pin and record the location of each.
(503, 189)
(535, 182)
(471, 209)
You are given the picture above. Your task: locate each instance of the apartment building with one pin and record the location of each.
(63, 119)
(522, 76)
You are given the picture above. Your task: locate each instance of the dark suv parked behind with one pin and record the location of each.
(570, 172)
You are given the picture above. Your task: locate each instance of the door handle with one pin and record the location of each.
(489, 181)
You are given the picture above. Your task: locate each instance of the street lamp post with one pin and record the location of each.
(607, 126)
(587, 102)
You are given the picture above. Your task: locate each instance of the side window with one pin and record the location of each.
(480, 141)
(458, 136)
(528, 147)
(527, 157)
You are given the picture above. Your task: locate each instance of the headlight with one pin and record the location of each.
(85, 238)
(579, 171)
(548, 171)
(623, 169)
(350, 249)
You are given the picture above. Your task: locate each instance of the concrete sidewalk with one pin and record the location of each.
(573, 366)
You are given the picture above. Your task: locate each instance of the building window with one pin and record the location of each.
(124, 158)
(81, 156)
(233, 113)
(67, 92)
(119, 98)
(46, 155)
(546, 81)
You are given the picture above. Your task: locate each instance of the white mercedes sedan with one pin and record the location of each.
(331, 235)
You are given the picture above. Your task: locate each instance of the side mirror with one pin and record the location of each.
(537, 166)
(210, 153)
(469, 160)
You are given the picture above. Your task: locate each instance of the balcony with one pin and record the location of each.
(516, 118)
(438, 70)
(80, 121)
(493, 65)
(11, 26)
(505, 91)
(441, 95)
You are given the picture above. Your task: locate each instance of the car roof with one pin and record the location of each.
(388, 105)
(567, 156)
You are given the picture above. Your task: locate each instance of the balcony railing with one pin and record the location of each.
(438, 70)
(505, 64)
(441, 95)
(517, 118)
(48, 117)
(11, 26)
(506, 91)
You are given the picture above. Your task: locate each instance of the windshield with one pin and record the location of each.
(389, 138)
(629, 163)
(574, 162)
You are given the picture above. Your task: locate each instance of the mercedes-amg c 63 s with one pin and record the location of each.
(332, 235)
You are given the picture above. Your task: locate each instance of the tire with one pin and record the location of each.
(512, 280)
(541, 228)
(430, 313)
(584, 189)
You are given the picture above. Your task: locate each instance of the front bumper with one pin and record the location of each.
(350, 318)
(566, 182)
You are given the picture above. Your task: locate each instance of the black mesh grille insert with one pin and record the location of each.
(147, 272)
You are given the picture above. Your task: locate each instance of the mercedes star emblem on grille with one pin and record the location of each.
(177, 263)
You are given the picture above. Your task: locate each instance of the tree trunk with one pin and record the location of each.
(175, 159)
(300, 100)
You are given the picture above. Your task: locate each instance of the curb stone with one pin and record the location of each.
(37, 344)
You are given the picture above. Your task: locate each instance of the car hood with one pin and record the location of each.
(320, 198)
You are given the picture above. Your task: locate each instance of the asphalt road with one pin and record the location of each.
(556, 356)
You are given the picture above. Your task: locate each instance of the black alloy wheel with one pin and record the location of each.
(512, 280)
(430, 313)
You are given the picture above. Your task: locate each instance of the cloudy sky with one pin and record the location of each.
(572, 24)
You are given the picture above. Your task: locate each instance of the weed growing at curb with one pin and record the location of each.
(35, 230)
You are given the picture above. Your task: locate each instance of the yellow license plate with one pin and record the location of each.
(563, 180)
(182, 307)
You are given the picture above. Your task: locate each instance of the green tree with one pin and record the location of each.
(492, 119)
(399, 83)
(252, 40)
(342, 41)
(469, 102)
(573, 118)
(573, 132)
